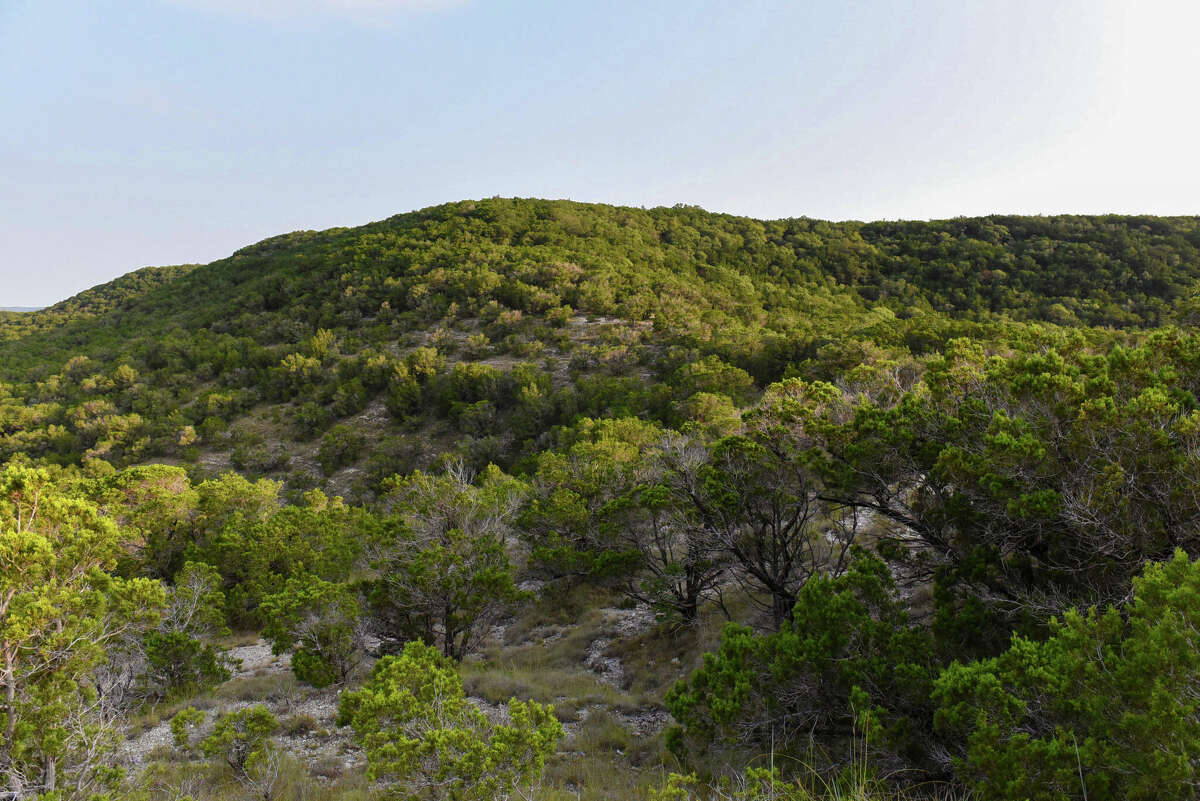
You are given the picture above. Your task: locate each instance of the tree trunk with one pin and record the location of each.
(10, 700)
(781, 610)
(689, 610)
(51, 774)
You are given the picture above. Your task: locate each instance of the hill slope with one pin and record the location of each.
(476, 327)
(891, 454)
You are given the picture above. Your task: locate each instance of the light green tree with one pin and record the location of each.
(422, 734)
(320, 620)
(154, 506)
(59, 609)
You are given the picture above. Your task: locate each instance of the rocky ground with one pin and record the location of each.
(308, 716)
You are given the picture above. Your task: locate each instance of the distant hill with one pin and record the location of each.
(99, 300)
(21, 308)
(439, 328)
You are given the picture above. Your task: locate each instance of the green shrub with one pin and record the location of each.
(180, 654)
(340, 446)
(1106, 709)
(310, 419)
(182, 725)
(847, 661)
(179, 663)
(237, 737)
(420, 731)
(320, 619)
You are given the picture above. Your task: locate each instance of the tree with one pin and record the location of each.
(712, 375)
(443, 563)
(231, 499)
(709, 415)
(59, 609)
(760, 505)
(1022, 483)
(846, 662)
(615, 507)
(1106, 708)
(680, 564)
(577, 518)
(254, 558)
(154, 505)
(420, 732)
(179, 653)
(320, 620)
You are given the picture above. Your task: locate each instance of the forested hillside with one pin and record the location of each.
(445, 309)
(538, 499)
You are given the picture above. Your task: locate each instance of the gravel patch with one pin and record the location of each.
(622, 623)
(319, 742)
(135, 751)
(645, 722)
(257, 660)
(608, 669)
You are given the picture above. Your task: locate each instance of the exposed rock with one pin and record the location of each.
(257, 660)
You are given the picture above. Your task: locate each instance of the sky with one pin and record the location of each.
(150, 132)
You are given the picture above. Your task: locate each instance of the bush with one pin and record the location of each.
(178, 663)
(253, 454)
(1106, 709)
(182, 725)
(478, 347)
(299, 725)
(180, 654)
(340, 446)
(320, 619)
(237, 737)
(310, 419)
(420, 731)
(848, 662)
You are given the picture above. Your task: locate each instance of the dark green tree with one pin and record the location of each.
(847, 663)
(1106, 708)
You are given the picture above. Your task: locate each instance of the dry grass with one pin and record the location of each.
(173, 780)
(595, 776)
(150, 716)
(569, 691)
(299, 725)
(273, 688)
(239, 639)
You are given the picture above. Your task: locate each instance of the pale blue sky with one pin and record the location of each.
(139, 132)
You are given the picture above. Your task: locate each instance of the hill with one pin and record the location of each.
(427, 328)
(910, 507)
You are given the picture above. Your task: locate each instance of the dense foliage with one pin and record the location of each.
(450, 317)
(60, 608)
(917, 467)
(846, 663)
(1105, 708)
